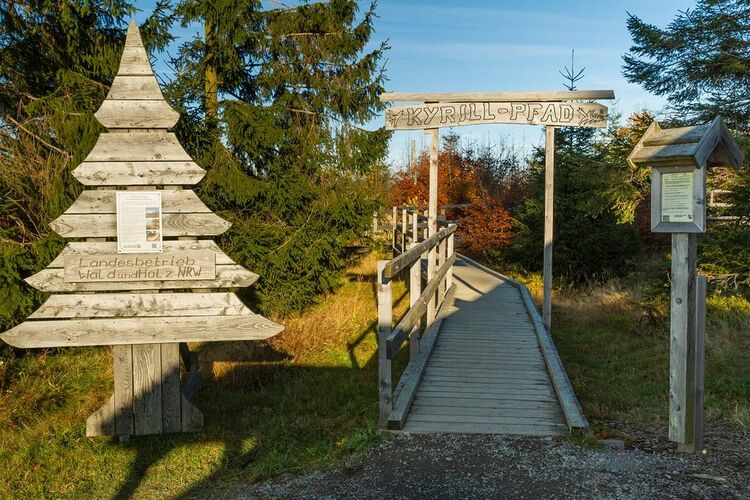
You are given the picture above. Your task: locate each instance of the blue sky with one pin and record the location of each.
(505, 45)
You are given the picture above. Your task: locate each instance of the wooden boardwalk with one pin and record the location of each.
(489, 370)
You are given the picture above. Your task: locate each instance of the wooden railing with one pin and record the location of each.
(406, 221)
(429, 296)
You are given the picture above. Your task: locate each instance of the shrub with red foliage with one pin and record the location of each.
(489, 179)
(486, 225)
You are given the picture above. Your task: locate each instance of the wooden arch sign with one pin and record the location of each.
(146, 303)
(432, 110)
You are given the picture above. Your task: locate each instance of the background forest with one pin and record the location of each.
(272, 102)
(602, 204)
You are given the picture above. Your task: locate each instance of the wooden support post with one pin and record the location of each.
(442, 258)
(385, 323)
(415, 290)
(171, 392)
(123, 390)
(683, 386)
(375, 222)
(424, 258)
(432, 216)
(549, 204)
(415, 225)
(404, 216)
(451, 251)
(700, 359)
(394, 223)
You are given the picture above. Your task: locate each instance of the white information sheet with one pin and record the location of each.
(677, 197)
(139, 222)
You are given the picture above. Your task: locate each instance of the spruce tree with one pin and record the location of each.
(273, 101)
(700, 61)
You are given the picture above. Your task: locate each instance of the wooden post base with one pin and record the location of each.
(147, 398)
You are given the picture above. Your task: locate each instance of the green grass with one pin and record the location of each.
(307, 399)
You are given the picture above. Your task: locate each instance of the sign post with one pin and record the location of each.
(549, 219)
(434, 134)
(679, 159)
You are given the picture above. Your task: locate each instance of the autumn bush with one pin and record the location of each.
(488, 179)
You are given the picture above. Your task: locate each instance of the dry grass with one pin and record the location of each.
(317, 332)
(616, 351)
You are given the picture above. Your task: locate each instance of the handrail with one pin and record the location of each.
(394, 266)
(400, 332)
(421, 207)
(428, 303)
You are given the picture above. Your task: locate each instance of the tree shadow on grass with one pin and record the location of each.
(267, 416)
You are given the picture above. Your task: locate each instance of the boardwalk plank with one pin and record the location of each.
(498, 385)
(469, 402)
(532, 414)
(495, 396)
(487, 373)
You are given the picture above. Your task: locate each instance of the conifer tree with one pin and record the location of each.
(700, 61)
(273, 100)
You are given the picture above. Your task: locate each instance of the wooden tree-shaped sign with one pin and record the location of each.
(148, 302)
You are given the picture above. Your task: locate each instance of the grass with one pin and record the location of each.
(616, 352)
(305, 399)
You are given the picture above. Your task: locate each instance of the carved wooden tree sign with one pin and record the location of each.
(140, 273)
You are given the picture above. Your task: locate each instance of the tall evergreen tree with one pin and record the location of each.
(700, 62)
(272, 102)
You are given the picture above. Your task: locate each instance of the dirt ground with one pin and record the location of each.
(481, 466)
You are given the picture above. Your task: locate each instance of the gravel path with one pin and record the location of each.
(478, 466)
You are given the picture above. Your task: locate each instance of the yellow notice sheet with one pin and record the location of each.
(677, 197)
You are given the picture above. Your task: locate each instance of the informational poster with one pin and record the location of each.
(139, 222)
(677, 197)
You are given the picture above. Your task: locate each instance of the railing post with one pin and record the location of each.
(442, 247)
(424, 257)
(415, 225)
(385, 319)
(403, 230)
(451, 251)
(394, 224)
(415, 290)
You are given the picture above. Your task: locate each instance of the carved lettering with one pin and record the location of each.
(424, 116)
(140, 267)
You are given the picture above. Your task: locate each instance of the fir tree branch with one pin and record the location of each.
(32, 134)
(288, 240)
